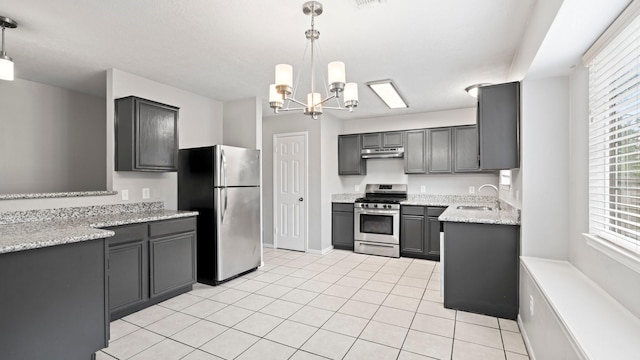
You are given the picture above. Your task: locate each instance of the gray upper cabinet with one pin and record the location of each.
(350, 161)
(392, 139)
(465, 145)
(371, 141)
(440, 150)
(415, 159)
(146, 135)
(498, 126)
(389, 139)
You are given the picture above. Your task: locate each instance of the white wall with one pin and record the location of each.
(618, 280)
(200, 124)
(242, 123)
(330, 127)
(51, 139)
(545, 167)
(392, 170)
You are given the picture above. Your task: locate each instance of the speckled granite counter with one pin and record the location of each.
(447, 200)
(346, 197)
(507, 216)
(23, 230)
(56, 195)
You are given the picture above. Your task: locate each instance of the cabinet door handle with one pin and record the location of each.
(300, 199)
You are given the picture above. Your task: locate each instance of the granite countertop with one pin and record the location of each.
(346, 197)
(56, 195)
(507, 216)
(38, 234)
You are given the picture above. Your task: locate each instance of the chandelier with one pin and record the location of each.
(284, 90)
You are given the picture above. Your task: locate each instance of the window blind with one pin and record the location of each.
(614, 140)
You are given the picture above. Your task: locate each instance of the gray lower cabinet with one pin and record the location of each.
(481, 268)
(149, 263)
(439, 145)
(342, 226)
(128, 267)
(498, 126)
(172, 254)
(420, 232)
(465, 145)
(415, 147)
(54, 302)
(146, 135)
(350, 160)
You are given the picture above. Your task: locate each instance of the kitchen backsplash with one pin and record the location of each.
(391, 171)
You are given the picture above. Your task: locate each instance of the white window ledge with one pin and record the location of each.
(613, 251)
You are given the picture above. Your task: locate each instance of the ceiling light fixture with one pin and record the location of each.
(388, 93)
(283, 89)
(473, 89)
(6, 63)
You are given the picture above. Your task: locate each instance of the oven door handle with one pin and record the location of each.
(376, 212)
(378, 245)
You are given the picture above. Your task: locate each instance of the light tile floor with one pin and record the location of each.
(301, 306)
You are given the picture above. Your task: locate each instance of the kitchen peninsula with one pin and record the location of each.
(55, 267)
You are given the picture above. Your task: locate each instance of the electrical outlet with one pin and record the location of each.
(531, 305)
(357, 188)
(423, 189)
(145, 193)
(472, 190)
(124, 194)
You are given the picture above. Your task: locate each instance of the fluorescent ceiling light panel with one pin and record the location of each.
(388, 93)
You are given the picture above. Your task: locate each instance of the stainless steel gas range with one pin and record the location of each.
(377, 220)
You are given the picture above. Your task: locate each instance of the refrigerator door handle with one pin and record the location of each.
(223, 170)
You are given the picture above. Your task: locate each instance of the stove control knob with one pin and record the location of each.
(365, 205)
(387, 206)
(376, 205)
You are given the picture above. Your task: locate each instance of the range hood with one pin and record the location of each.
(382, 153)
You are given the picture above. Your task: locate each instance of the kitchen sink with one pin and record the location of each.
(474, 207)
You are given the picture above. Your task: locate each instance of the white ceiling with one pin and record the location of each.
(227, 49)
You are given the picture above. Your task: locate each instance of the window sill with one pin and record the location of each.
(616, 253)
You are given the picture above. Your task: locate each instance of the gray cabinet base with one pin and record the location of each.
(481, 268)
(54, 302)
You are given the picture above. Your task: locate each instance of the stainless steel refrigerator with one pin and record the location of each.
(223, 184)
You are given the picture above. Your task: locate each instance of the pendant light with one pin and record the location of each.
(6, 63)
(285, 90)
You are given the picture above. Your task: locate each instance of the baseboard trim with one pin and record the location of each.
(527, 344)
(320, 252)
(270, 246)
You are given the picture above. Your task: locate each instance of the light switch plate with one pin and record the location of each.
(423, 189)
(357, 188)
(145, 193)
(472, 190)
(124, 194)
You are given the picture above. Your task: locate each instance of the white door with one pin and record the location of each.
(290, 182)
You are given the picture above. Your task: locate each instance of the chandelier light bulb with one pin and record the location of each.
(284, 78)
(336, 72)
(6, 68)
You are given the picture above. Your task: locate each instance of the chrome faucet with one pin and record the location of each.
(497, 193)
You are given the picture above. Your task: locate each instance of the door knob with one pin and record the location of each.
(301, 199)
